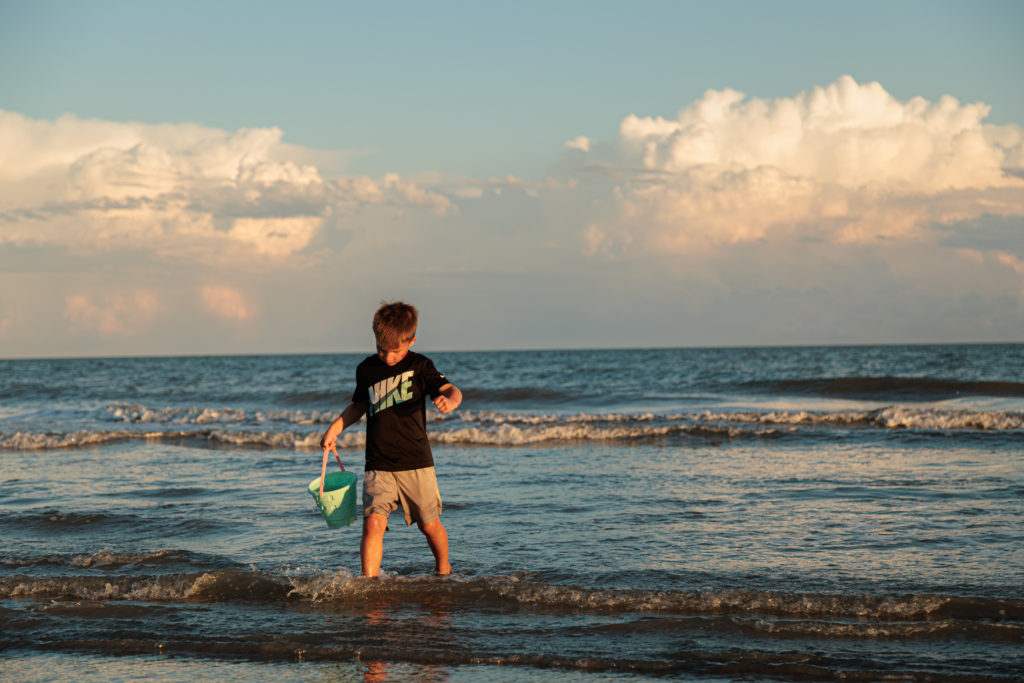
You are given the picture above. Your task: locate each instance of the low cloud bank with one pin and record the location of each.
(178, 190)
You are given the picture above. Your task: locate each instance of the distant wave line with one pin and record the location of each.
(887, 387)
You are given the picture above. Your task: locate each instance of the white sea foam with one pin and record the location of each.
(512, 435)
(889, 417)
(892, 417)
(911, 418)
(491, 428)
(27, 441)
(205, 415)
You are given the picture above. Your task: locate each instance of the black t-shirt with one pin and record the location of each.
(396, 410)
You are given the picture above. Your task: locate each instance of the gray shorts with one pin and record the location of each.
(415, 490)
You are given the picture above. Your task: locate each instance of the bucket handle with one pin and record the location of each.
(323, 470)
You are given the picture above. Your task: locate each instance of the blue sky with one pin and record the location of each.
(483, 88)
(255, 177)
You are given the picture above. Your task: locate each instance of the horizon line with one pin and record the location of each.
(656, 347)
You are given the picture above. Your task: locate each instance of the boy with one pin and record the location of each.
(391, 389)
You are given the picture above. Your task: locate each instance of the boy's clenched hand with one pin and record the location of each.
(443, 404)
(449, 398)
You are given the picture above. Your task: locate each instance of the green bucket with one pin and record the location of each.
(338, 504)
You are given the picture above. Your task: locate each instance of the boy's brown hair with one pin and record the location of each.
(394, 324)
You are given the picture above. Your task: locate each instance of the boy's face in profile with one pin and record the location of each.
(393, 356)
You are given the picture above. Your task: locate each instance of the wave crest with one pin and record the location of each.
(888, 388)
(204, 415)
(109, 559)
(509, 591)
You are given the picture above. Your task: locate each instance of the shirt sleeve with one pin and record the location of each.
(362, 391)
(432, 379)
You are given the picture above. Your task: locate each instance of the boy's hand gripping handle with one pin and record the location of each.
(323, 469)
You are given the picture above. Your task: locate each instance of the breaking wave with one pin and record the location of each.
(510, 591)
(202, 415)
(86, 612)
(84, 438)
(493, 428)
(892, 417)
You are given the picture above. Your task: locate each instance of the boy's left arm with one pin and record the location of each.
(448, 399)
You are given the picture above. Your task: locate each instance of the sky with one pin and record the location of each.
(231, 178)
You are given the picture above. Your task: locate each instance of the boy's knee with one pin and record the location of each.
(375, 523)
(431, 526)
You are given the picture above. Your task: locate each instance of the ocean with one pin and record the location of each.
(789, 514)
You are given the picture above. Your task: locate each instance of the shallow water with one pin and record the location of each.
(807, 513)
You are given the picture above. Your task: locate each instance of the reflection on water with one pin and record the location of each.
(379, 672)
(389, 626)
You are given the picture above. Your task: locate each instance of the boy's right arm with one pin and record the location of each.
(353, 413)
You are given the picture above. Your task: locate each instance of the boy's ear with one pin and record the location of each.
(413, 340)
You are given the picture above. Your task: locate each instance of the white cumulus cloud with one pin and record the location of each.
(174, 189)
(846, 163)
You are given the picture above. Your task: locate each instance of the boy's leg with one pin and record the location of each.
(420, 498)
(380, 499)
(437, 538)
(371, 548)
